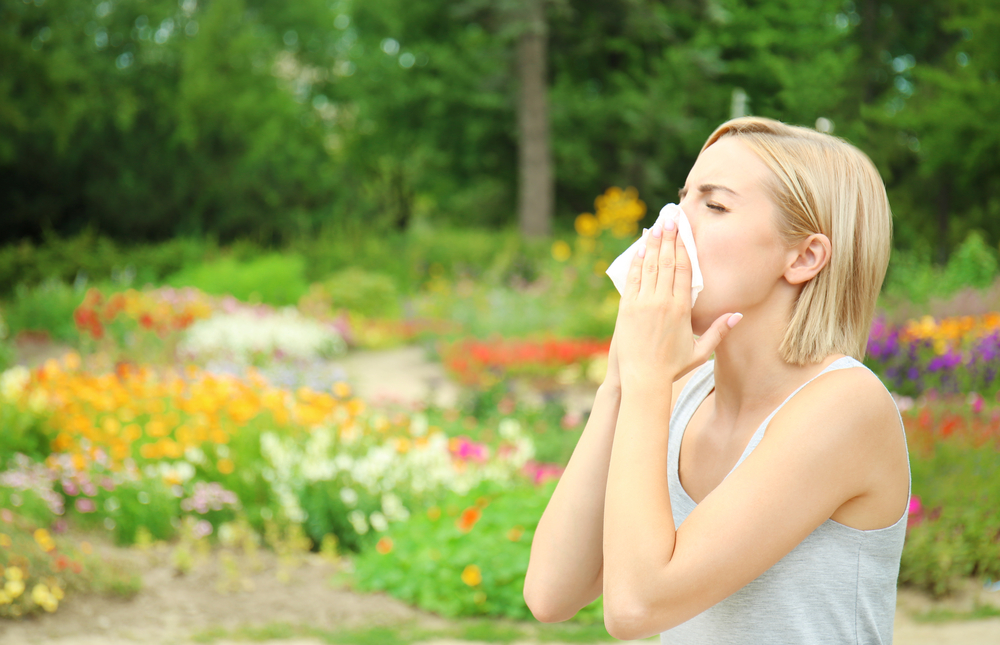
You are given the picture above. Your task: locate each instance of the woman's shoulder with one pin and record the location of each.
(851, 412)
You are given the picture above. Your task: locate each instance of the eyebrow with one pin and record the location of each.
(708, 188)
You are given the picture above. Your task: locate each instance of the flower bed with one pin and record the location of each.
(949, 355)
(484, 363)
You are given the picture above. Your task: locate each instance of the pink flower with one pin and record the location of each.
(85, 505)
(916, 507)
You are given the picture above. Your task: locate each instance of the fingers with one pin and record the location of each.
(667, 259)
(654, 242)
(682, 272)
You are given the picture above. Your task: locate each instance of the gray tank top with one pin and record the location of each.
(837, 586)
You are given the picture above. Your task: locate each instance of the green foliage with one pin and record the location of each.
(89, 257)
(130, 507)
(273, 278)
(24, 431)
(912, 276)
(430, 553)
(959, 538)
(357, 290)
(46, 307)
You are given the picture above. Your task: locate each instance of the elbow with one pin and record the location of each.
(623, 620)
(545, 612)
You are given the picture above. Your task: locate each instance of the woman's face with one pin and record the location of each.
(740, 253)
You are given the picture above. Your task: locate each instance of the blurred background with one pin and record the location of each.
(234, 233)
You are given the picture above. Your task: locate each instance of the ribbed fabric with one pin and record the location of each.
(837, 586)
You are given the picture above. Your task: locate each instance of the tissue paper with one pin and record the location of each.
(618, 271)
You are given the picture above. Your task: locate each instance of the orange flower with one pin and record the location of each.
(468, 519)
(384, 545)
(226, 466)
(515, 533)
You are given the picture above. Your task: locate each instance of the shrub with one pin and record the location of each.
(274, 278)
(355, 289)
(46, 307)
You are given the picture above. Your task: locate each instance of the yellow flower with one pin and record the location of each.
(226, 466)
(14, 588)
(14, 574)
(341, 389)
(4, 598)
(44, 540)
(471, 575)
(561, 251)
(5, 540)
(587, 225)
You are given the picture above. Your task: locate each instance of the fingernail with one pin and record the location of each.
(670, 224)
(642, 252)
(735, 318)
(657, 230)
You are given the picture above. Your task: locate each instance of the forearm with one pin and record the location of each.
(566, 551)
(639, 527)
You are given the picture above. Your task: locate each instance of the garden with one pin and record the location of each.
(206, 412)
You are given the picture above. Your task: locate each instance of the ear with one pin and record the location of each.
(808, 258)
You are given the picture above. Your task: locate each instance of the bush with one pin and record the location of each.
(97, 259)
(46, 307)
(355, 289)
(467, 556)
(959, 535)
(275, 278)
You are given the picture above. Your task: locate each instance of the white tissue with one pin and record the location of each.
(618, 271)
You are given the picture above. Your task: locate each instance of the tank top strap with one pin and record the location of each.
(840, 363)
(694, 392)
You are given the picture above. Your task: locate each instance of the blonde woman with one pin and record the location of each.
(761, 496)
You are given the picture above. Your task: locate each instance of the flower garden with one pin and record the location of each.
(179, 414)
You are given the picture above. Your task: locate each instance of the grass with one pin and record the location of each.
(485, 630)
(947, 615)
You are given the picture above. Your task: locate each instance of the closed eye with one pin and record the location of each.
(717, 207)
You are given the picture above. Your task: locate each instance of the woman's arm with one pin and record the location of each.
(817, 454)
(566, 565)
(567, 551)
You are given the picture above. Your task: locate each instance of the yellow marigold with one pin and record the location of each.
(561, 251)
(587, 225)
(471, 575)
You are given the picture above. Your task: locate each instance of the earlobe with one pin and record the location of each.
(813, 255)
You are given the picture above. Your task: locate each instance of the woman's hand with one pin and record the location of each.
(653, 329)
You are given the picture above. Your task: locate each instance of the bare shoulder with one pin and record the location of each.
(847, 419)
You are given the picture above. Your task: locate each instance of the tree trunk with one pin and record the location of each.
(535, 184)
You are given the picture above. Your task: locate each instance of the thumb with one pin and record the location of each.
(708, 341)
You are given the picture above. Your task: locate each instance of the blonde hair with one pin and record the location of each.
(822, 184)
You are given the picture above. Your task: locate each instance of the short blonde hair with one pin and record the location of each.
(822, 184)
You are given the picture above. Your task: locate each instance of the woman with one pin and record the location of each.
(694, 522)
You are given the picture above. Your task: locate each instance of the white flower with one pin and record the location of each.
(358, 521)
(14, 381)
(348, 496)
(393, 508)
(509, 428)
(243, 334)
(379, 523)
